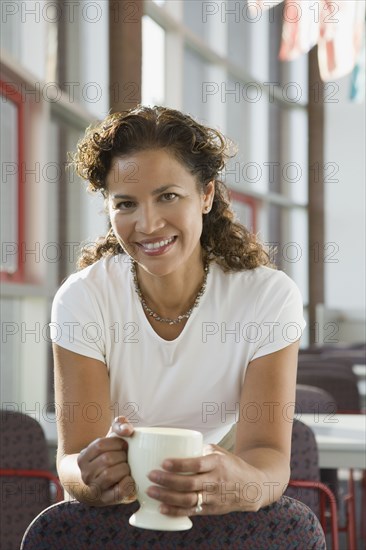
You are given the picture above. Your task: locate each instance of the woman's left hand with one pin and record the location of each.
(227, 484)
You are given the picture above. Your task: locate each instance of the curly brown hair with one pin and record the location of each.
(203, 151)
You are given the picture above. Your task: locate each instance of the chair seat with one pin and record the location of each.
(284, 525)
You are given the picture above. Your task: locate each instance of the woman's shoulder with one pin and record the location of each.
(100, 275)
(264, 291)
(261, 275)
(258, 283)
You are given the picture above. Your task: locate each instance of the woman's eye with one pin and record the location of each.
(125, 205)
(169, 196)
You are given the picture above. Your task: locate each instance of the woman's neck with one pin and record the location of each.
(173, 294)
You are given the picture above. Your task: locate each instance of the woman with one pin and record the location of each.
(176, 319)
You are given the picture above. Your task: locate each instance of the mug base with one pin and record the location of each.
(159, 522)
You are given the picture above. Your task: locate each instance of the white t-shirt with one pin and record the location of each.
(195, 380)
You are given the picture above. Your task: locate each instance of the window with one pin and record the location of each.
(196, 79)
(153, 62)
(245, 209)
(11, 158)
(55, 83)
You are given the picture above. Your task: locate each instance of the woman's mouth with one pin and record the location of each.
(158, 247)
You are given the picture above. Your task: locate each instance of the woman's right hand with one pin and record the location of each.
(104, 467)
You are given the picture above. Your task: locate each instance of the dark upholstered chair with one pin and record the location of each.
(284, 525)
(305, 484)
(332, 370)
(345, 349)
(310, 399)
(25, 476)
(350, 357)
(335, 378)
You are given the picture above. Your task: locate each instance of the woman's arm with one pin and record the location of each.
(92, 467)
(263, 437)
(257, 473)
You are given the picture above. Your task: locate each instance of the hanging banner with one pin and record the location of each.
(337, 26)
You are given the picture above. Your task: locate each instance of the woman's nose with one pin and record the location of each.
(148, 219)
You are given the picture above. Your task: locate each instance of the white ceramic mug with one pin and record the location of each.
(147, 450)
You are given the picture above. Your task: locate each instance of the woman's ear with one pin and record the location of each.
(208, 196)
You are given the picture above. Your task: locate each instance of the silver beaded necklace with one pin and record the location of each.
(157, 317)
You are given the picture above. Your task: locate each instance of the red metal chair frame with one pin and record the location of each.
(8, 472)
(350, 524)
(324, 493)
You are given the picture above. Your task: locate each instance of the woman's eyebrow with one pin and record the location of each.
(155, 192)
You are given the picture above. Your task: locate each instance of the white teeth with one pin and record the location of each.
(153, 246)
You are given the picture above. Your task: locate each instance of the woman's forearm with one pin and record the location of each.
(271, 474)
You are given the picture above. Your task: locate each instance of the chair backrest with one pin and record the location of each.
(304, 464)
(311, 350)
(346, 358)
(286, 523)
(349, 357)
(310, 399)
(22, 447)
(360, 346)
(333, 377)
(334, 349)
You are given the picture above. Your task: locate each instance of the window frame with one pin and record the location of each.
(10, 93)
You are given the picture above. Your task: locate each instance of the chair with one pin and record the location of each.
(24, 476)
(359, 346)
(345, 357)
(311, 399)
(312, 350)
(342, 349)
(334, 377)
(305, 484)
(285, 524)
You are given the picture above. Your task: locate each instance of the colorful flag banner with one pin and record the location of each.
(337, 26)
(358, 77)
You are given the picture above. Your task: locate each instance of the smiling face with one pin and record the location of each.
(156, 210)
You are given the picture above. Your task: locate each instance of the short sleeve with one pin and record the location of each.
(279, 314)
(76, 324)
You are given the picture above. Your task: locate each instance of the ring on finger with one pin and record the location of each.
(198, 508)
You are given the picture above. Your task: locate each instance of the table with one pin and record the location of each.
(360, 372)
(341, 439)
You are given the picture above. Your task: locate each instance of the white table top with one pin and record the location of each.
(341, 439)
(360, 371)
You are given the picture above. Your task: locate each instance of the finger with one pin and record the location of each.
(123, 491)
(198, 465)
(90, 471)
(108, 460)
(169, 498)
(177, 511)
(102, 445)
(177, 482)
(121, 426)
(109, 477)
